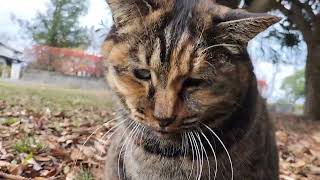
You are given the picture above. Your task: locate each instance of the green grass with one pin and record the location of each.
(28, 145)
(9, 121)
(37, 96)
(84, 174)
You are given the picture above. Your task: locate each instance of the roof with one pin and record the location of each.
(67, 53)
(10, 55)
(10, 60)
(10, 48)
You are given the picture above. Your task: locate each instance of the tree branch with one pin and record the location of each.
(295, 15)
(12, 177)
(305, 6)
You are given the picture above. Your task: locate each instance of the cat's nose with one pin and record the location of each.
(165, 122)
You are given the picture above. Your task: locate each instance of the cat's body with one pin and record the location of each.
(187, 92)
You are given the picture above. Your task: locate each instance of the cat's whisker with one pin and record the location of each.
(116, 127)
(134, 136)
(111, 129)
(186, 145)
(200, 157)
(192, 150)
(89, 137)
(97, 129)
(205, 153)
(200, 37)
(211, 65)
(231, 165)
(197, 155)
(183, 148)
(142, 132)
(214, 154)
(196, 152)
(199, 168)
(218, 45)
(123, 144)
(202, 153)
(129, 141)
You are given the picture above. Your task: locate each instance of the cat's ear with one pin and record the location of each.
(239, 27)
(126, 11)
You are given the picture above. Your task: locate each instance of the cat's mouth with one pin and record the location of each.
(163, 133)
(190, 122)
(185, 125)
(176, 127)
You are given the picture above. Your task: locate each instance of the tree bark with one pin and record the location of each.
(312, 104)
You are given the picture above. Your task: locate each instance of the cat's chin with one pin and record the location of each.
(163, 135)
(162, 143)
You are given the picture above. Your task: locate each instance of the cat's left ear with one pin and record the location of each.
(126, 11)
(239, 27)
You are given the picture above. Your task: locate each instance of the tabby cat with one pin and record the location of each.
(189, 105)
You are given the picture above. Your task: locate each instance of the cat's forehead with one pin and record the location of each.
(167, 54)
(174, 41)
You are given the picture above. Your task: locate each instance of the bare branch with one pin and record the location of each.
(305, 6)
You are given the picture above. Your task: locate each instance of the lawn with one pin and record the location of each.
(49, 132)
(44, 129)
(38, 96)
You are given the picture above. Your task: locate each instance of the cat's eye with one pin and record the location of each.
(142, 74)
(192, 82)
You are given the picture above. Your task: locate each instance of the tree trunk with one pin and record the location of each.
(312, 104)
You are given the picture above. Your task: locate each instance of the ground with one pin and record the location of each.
(49, 132)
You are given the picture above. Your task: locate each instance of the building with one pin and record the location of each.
(11, 63)
(68, 61)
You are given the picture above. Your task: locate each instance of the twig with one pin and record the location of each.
(12, 177)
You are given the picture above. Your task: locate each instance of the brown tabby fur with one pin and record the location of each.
(196, 74)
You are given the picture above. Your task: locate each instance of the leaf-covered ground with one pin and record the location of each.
(39, 140)
(298, 141)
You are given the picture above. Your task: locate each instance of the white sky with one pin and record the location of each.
(27, 9)
(98, 10)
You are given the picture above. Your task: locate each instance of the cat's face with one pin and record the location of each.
(176, 64)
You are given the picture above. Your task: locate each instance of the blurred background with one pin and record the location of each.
(41, 40)
(51, 70)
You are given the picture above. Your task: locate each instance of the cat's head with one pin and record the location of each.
(177, 63)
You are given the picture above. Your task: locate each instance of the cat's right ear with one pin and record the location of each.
(127, 11)
(239, 27)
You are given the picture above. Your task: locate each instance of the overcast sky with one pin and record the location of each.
(98, 10)
(27, 9)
